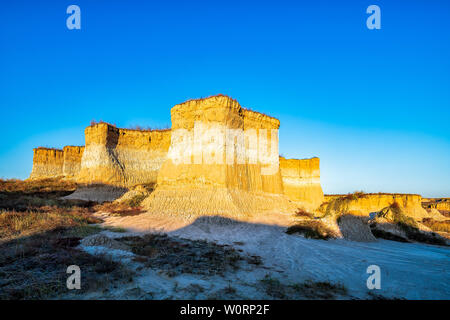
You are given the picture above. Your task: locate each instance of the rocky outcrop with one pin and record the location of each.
(72, 161)
(122, 157)
(441, 204)
(362, 204)
(47, 163)
(222, 159)
(301, 181)
(217, 158)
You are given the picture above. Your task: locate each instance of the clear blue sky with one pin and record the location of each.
(374, 105)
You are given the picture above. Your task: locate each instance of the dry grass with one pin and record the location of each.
(15, 224)
(308, 289)
(313, 229)
(438, 226)
(381, 234)
(354, 196)
(42, 186)
(29, 195)
(37, 246)
(38, 236)
(445, 213)
(94, 123)
(175, 256)
(148, 129)
(130, 207)
(303, 213)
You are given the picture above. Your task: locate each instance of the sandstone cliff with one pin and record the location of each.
(301, 181)
(218, 158)
(47, 163)
(122, 157)
(441, 204)
(362, 204)
(222, 159)
(72, 161)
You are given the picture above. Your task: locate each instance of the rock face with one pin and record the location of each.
(72, 160)
(222, 159)
(122, 157)
(217, 158)
(47, 163)
(301, 181)
(364, 204)
(441, 204)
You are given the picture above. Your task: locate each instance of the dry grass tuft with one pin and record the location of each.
(354, 196)
(94, 123)
(41, 186)
(130, 207)
(438, 226)
(39, 234)
(19, 224)
(37, 246)
(308, 289)
(303, 213)
(175, 256)
(313, 229)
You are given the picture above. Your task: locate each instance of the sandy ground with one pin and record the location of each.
(408, 270)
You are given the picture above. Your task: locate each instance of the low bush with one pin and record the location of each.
(313, 229)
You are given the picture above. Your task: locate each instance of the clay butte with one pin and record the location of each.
(217, 158)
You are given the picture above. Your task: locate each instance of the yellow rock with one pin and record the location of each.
(218, 158)
(47, 163)
(122, 157)
(301, 181)
(72, 160)
(362, 204)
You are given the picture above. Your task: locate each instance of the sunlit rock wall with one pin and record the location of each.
(301, 181)
(222, 158)
(122, 157)
(72, 161)
(47, 163)
(364, 204)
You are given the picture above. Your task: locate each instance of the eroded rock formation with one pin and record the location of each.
(72, 160)
(122, 157)
(222, 159)
(301, 181)
(366, 203)
(217, 158)
(47, 163)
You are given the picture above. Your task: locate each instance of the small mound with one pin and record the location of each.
(355, 228)
(135, 196)
(313, 229)
(97, 193)
(392, 223)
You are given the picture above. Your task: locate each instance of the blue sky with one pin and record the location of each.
(374, 105)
